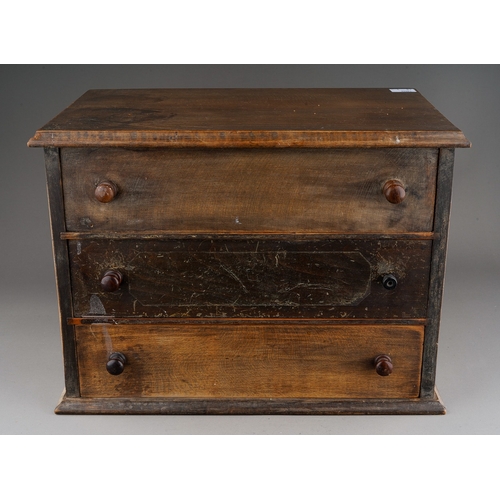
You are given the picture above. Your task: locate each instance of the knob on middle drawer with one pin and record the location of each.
(389, 281)
(111, 280)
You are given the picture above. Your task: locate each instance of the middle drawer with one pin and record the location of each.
(189, 278)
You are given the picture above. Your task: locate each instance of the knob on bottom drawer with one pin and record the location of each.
(383, 365)
(116, 363)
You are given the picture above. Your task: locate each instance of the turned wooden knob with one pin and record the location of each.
(105, 191)
(111, 281)
(394, 191)
(389, 282)
(116, 363)
(383, 365)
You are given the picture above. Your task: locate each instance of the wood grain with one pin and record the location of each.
(251, 278)
(250, 361)
(224, 118)
(242, 191)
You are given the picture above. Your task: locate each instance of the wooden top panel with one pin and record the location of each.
(250, 118)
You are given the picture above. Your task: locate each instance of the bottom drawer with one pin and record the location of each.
(226, 360)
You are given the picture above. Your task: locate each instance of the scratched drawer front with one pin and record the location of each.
(241, 191)
(249, 278)
(228, 360)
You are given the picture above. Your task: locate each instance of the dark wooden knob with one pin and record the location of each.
(383, 365)
(111, 281)
(105, 191)
(394, 191)
(116, 363)
(389, 281)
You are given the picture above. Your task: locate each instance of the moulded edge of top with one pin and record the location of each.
(250, 138)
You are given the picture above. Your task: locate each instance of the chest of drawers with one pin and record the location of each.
(237, 251)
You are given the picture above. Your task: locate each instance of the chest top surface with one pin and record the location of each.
(321, 118)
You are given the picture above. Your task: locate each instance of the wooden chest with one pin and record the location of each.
(237, 251)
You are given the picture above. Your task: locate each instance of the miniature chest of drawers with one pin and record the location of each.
(237, 251)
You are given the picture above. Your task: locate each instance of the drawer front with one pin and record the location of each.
(251, 278)
(249, 361)
(245, 191)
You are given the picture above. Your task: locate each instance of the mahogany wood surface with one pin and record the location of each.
(252, 278)
(250, 361)
(250, 118)
(241, 191)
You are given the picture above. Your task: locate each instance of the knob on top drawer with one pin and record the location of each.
(105, 191)
(394, 191)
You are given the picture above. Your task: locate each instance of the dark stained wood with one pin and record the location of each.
(242, 191)
(273, 118)
(254, 361)
(248, 278)
(62, 272)
(167, 235)
(190, 406)
(113, 320)
(438, 264)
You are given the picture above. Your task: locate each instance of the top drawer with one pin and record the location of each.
(249, 191)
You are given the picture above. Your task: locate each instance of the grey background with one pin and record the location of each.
(468, 374)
